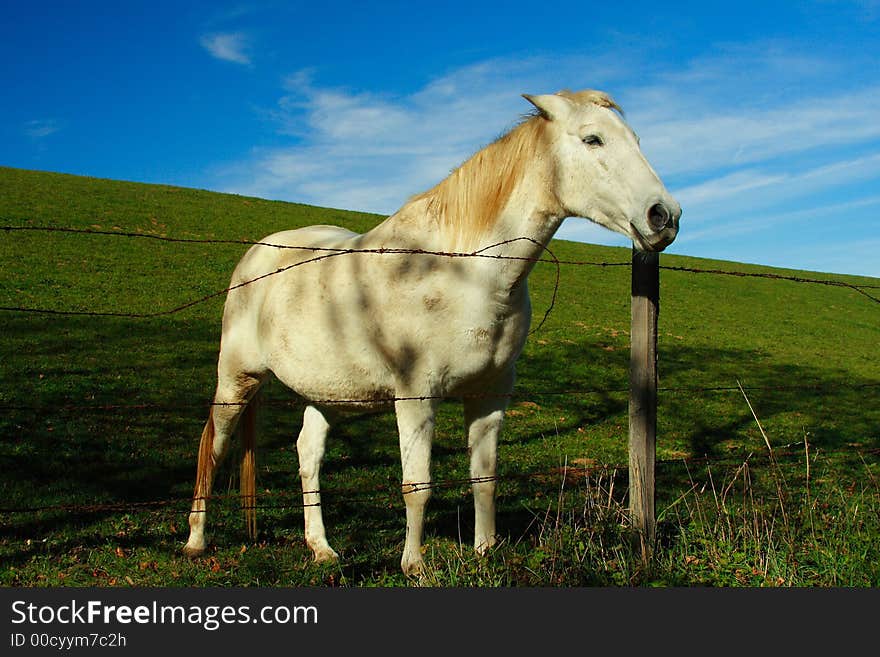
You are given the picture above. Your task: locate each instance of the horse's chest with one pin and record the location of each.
(486, 343)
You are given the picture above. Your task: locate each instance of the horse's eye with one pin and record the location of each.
(593, 141)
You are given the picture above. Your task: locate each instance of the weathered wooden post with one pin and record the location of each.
(643, 395)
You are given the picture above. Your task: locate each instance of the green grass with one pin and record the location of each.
(734, 518)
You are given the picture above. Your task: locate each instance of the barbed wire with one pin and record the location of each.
(330, 252)
(388, 400)
(778, 277)
(393, 489)
(247, 242)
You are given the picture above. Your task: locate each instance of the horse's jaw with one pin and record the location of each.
(654, 244)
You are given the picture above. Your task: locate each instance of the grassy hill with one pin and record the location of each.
(100, 411)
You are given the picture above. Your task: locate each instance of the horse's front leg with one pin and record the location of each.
(415, 424)
(484, 416)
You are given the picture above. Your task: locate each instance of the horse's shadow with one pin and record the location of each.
(79, 431)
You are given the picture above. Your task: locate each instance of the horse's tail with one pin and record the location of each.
(206, 460)
(248, 485)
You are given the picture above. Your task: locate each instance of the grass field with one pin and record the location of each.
(102, 415)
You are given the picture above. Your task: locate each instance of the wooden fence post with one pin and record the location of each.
(643, 395)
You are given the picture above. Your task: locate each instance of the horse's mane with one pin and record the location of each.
(472, 197)
(469, 201)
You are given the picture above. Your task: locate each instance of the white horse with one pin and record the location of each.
(371, 329)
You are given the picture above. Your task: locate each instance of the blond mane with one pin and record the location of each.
(469, 201)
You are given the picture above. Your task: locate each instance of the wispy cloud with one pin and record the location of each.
(371, 151)
(227, 46)
(41, 128)
(744, 130)
(703, 139)
(735, 226)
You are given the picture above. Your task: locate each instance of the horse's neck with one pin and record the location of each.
(518, 236)
(522, 231)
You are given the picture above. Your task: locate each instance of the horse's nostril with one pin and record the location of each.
(658, 216)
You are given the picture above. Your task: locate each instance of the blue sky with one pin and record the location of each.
(763, 118)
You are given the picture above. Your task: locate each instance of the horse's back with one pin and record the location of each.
(309, 238)
(265, 266)
(287, 247)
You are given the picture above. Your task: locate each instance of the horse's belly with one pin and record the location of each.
(373, 365)
(333, 372)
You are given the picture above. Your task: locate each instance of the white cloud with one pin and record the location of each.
(745, 132)
(727, 186)
(371, 151)
(41, 128)
(735, 226)
(742, 192)
(228, 46)
(716, 137)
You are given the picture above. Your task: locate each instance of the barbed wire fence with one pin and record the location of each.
(287, 500)
(327, 252)
(182, 505)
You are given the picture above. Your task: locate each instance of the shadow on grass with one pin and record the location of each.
(110, 411)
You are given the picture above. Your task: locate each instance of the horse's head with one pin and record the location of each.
(600, 172)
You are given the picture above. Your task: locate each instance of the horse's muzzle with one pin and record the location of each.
(662, 222)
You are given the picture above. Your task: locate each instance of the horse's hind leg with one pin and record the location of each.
(230, 401)
(310, 448)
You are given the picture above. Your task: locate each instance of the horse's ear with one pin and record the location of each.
(552, 106)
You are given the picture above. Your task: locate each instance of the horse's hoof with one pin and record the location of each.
(414, 569)
(326, 555)
(193, 552)
(484, 547)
